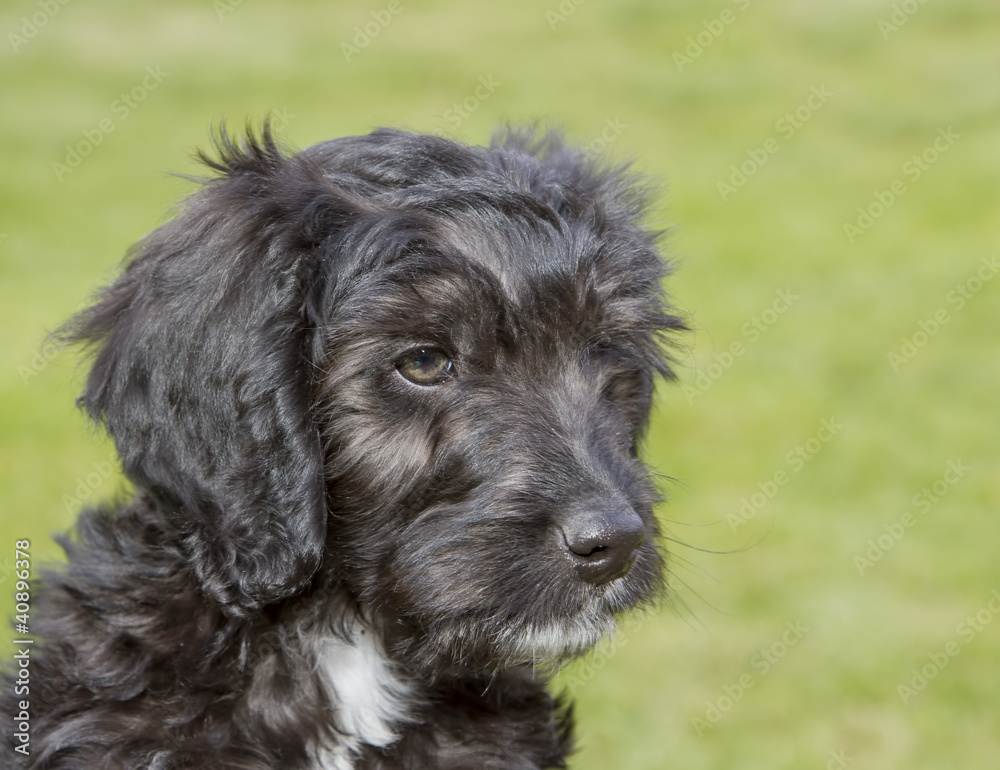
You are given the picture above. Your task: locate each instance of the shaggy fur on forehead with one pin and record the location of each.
(325, 563)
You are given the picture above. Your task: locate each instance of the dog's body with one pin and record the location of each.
(379, 402)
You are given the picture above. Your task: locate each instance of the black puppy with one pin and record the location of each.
(380, 403)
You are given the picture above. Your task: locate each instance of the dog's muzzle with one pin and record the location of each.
(602, 543)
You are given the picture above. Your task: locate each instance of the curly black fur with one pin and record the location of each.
(300, 504)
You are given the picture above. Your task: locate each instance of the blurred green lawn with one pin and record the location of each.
(784, 650)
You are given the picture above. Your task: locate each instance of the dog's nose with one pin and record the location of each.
(603, 544)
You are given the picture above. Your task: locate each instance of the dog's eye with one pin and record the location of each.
(424, 366)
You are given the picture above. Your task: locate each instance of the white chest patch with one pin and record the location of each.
(370, 699)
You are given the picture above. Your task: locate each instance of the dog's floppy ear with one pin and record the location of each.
(202, 372)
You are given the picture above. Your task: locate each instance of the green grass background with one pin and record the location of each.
(833, 694)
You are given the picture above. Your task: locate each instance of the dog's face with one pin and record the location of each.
(459, 351)
(483, 389)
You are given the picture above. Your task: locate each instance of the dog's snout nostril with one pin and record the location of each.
(603, 544)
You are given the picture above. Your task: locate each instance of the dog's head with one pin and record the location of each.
(421, 367)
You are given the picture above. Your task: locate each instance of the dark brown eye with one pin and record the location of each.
(424, 366)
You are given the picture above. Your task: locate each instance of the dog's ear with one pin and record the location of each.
(202, 372)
